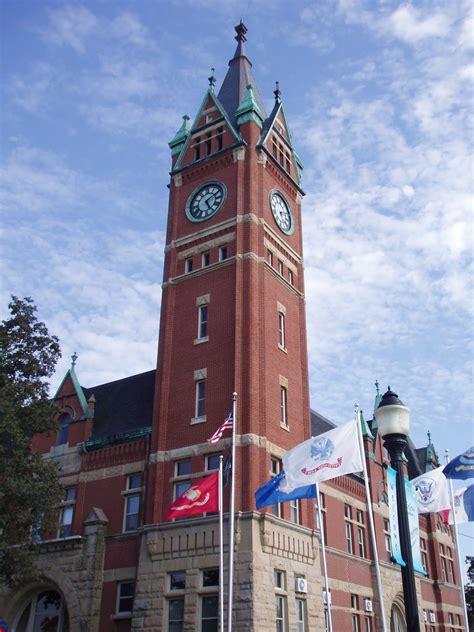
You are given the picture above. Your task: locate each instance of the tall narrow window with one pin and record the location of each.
(177, 585)
(355, 615)
(132, 502)
(283, 406)
(322, 502)
(280, 601)
(270, 257)
(424, 554)
(202, 322)
(66, 514)
(222, 253)
(65, 522)
(209, 600)
(290, 277)
(188, 265)
(348, 529)
(63, 433)
(200, 398)
(360, 533)
(387, 537)
(125, 595)
(197, 148)
(300, 615)
(451, 575)
(280, 266)
(275, 468)
(206, 259)
(444, 568)
(281, 330)
(219, 138)
(208, 144)
(295, 511)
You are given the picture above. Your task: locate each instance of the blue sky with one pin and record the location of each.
(378, 96)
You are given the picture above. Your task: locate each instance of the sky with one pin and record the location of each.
(379, 100)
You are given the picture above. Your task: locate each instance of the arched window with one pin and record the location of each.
(397, 619)
(46, 611)
(63, 432)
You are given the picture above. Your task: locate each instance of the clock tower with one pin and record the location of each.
(232, 319)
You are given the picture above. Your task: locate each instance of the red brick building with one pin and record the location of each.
(232, 319)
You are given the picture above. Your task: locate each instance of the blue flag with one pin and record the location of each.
(271, 493)
(461, 466)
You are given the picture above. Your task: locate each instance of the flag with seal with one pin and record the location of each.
(199, 498)
(321, 458)
(431, 491)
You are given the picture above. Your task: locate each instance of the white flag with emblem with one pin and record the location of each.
(431, 491)
(321, 458)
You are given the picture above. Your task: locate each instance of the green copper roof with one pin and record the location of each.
(115, 439)
(209, 94)
(180, 137)
(249, 109)
(77, 387)
(365, 427)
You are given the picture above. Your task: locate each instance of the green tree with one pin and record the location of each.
(469, 590)
(29, 486)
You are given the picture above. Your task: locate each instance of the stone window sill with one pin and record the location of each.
(199, 341)
(285, 426)
(198, 420)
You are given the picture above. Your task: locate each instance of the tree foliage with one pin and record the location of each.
(29, 485)
(469, 590)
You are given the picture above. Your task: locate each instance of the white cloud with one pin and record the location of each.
(411, 25)
(70, 26)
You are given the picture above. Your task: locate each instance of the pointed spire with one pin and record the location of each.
(240, 29)
(212, 80)
(238, 77)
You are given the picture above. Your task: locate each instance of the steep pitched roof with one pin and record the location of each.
(124, 405)
(72, 377)
(238, 77)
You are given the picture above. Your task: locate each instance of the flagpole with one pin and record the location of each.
(232, 516)
(221, 549)
(371, 520)
(323, 555)
(458, 550)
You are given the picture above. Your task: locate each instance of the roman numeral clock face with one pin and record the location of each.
(205, 201)
(281, 212)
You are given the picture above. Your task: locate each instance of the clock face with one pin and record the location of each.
(205, 201)
(281, 212)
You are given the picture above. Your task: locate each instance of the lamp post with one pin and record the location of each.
(393, 421)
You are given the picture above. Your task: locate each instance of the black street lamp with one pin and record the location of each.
(393, 422)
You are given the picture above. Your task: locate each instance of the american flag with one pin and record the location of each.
(227, 425)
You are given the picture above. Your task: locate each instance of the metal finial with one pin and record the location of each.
(212, 79)
(74, 358)
(277, 91)
(377, 387)
(429, 436)
(240, 29)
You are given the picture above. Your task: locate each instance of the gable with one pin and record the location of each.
(210, 133)
(276, 139)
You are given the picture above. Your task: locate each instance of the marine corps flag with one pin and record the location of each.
(198, 499)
